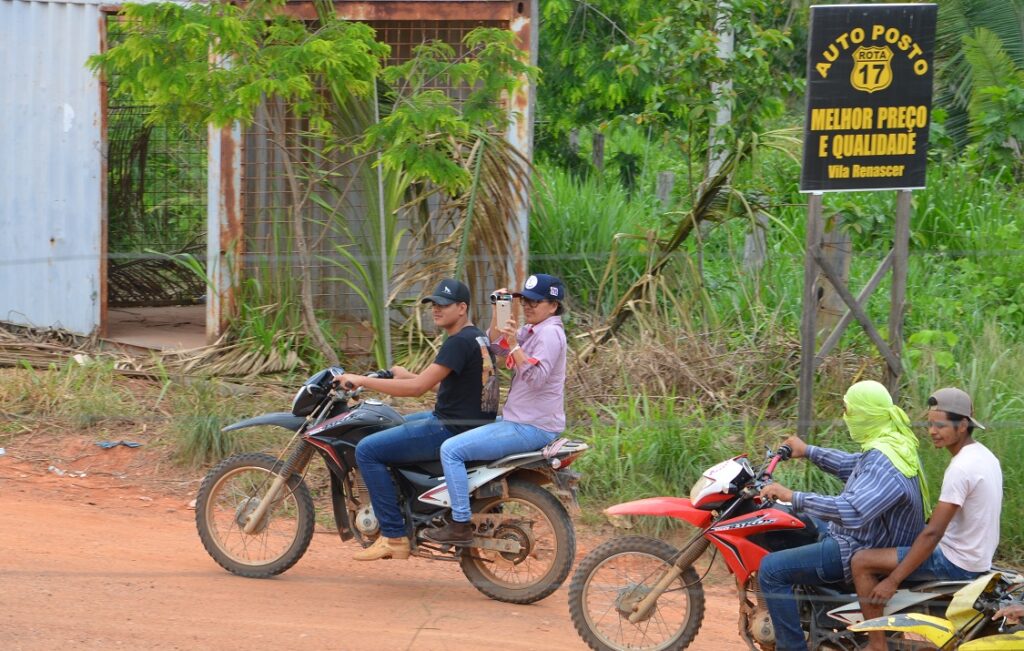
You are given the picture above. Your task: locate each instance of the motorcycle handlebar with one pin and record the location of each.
(351, 390)
(784, 453)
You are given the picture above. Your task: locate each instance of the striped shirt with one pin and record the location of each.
(879, 506)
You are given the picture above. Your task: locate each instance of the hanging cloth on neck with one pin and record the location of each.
(876, 423)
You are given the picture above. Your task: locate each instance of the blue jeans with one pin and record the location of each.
(419, 438)
(937, 568)
(815, 564)
(484, 443)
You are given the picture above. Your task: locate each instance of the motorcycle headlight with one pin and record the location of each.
(298, 396)
(699, 487)
(306, 399)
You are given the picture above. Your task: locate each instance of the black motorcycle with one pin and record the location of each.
(255, 513)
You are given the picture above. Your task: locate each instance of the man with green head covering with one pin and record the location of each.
(880, 505)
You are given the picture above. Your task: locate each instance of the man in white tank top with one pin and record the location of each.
(961, 537)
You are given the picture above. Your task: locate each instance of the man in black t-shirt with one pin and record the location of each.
(467, 397)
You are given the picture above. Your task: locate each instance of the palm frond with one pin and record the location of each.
(989, 61)
(959, 19)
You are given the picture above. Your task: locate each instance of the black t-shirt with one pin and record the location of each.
(461, 399)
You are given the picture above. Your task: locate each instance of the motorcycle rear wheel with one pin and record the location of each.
(544, 530)
(612, 578)
(230, 492)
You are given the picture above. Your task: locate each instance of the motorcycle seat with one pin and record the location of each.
(564, 448)
(943, 586)
(434, 467)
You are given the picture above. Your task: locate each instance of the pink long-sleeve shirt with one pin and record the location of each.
(537, 395)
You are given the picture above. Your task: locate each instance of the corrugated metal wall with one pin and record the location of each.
(50, 166)
(52, 162)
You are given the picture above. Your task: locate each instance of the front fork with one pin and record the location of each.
(296, 463)
(691, 552)
(687, 557)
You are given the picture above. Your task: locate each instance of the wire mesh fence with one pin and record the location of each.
(341, 212)
(156, 203)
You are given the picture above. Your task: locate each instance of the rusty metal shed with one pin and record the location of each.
(55, 123)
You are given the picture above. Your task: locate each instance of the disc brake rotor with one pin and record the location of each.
(628, 599)
(245, 508)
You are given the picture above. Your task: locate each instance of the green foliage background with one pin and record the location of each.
(654, 426)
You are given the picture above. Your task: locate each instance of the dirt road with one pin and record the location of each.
(105, 562)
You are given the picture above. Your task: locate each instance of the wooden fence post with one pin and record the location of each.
(808, 331)
(898, 293)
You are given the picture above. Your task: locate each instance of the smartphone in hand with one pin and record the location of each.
(503, 309)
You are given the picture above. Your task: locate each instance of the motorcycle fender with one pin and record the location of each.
(283, 419)
(936, 630)
(679, 508)
(1011, 642)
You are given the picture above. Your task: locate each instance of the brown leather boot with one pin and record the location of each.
(397, 548)
(453, 533)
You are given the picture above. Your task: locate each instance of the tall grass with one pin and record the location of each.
(82, 394)
(578, 226)
(201, 407)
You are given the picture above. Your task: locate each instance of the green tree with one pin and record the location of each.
(655, 64)
(223, 64)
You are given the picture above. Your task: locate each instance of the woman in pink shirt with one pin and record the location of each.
(534, 413)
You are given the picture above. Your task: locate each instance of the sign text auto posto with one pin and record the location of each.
(869, 95)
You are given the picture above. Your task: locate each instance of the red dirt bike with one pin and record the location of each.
(640, 593)
(255, 513)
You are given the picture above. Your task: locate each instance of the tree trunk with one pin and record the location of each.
(298, 200)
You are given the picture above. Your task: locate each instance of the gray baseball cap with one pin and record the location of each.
(954, 401)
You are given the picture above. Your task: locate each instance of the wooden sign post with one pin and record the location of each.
(869, 92)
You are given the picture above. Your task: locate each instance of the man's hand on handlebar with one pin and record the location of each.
(797, 445)
(777, 492)
(349, 381)
(1013, 613)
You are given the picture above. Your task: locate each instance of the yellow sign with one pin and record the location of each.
(872, 68)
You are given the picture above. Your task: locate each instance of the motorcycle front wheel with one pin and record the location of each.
(232, 491)
(611, 580)
(534, 518)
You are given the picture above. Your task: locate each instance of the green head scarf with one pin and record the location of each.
(876, 423)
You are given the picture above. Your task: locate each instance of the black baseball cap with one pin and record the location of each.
(448, 291)
(539, 287)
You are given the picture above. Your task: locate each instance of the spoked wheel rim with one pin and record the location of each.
(236, 495)
(616, 585)
(526, 524)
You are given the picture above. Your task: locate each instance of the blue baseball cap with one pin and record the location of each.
(539, 287)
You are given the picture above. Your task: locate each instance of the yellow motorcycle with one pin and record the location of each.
(968, 625)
